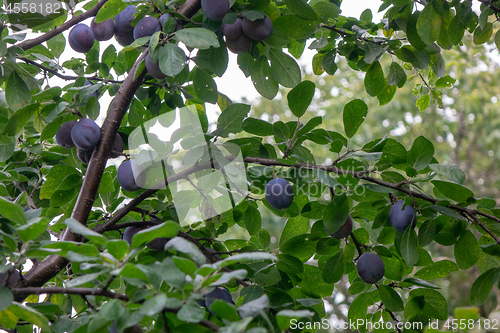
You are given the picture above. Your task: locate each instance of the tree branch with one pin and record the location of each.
(68, 291)
(28, 44)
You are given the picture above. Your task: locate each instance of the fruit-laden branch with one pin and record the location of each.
(28, 44)
(93, 292)
(62, 76)
(50, 266)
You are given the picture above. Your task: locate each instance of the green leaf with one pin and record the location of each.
(334, 268)
(326, 9)
(467, 250)
(33, 228)
(118, 248)
(437, 270)
(391, 299)
(252, 220)
(225, 310)
(257, 127)
(294, 226)
(80, 229)
(17, 92)
(396, 76)
(420, 154)
(131, 271)
(289, 264)
(281, 132)
(19, 119)
(354, 115)
(30, 315)
(421, 283)
(481, 36)
(199, 38)
(452, 190)
(284, 68)
(434, 304)
(423, 102)
(7, 146)
(409, 247)
(284, 317)
(204, 86)
(231, 119)
(429, 24)
(263, 80)
(300, 97)
(184, 246)
(167, 229)
(187, 266)
(452, 172)
(6, 298)
(445, 82)
(426, 232)
(482, 286)
(295, 27)
(245, 257)
(335, 215)
(358, 308)
(12, 211)
(375, 80)
(109, 10)
(301, 9)
(171, 59)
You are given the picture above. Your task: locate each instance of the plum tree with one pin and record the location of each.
(85, 134)
(259, 30)
(116, 147)
(344, 231)
(124, 31)
(84, 155)
(401, 218)
(146, 26)
(239, 45)
(232, 31)
(279, 193)
(370, 267)
(217, 293)
(103, 30)
(215, 9)
(131, 176)
(153, 69)
(63, 135)
(81, 38)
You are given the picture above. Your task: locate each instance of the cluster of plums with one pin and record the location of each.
(85, 135)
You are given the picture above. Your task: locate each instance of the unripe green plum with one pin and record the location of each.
(86, 134)
(258, 30)
(370, 267)
(63, 135)
(344, 230)
(81, 38)
(401, 218)
(279, 193)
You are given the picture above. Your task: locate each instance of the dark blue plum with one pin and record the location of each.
(239, 45)
(146, 26)
(124, 38)
(84, 155)
(131, 176)
(258, 30)
(279, 193)
(344, 230)
(81, 38)
(215, 9)
(370, 267)
(63, 135)
(217, 293)
(232, 31)
(13, 278)
(124, 19)
(401, 219)
(86, 134)
(153, 69)
(103, 30)
(116, 147)
(129, 233)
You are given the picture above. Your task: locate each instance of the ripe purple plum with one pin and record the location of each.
(86, 134)
(124, 38)
(279, 193)
(402, 218)
(116, 147)
(344, 230)
(84, 155)
(13, 278)
(370, 267)
(232, 31)
(81, 38)
(258, 30)
(124, 19)
(217, 293)
(63, 135)
(146, 26)
(239, 45)
(153, 68)
(131, 176)
(103, 30)
(215, 9)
